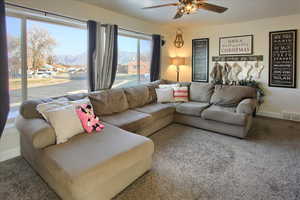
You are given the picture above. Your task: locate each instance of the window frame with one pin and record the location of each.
(138, 37)
(24, 16)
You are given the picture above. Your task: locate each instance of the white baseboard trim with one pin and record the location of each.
(10, 153)
(270, 114)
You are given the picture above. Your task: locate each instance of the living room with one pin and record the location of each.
(188, 99)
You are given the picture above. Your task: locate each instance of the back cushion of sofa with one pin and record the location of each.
(230, 96)
(109, 101)
(28, 108)
(156, 83)
(201, 92)
(152, 94)
(137, 96)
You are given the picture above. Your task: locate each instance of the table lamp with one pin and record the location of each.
(177, 61)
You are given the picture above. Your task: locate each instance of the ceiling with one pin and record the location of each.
(239, 10)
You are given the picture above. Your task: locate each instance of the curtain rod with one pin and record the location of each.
(67, 17)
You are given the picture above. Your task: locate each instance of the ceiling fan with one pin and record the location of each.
(186, 7)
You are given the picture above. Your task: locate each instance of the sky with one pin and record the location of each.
(69, 40)
(72, 41)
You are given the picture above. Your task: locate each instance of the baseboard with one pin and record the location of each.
(10, 153)
(270, 114)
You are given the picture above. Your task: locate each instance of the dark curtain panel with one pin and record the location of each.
(115, 56)
(4, 91)
(92, 34)
(155, 60)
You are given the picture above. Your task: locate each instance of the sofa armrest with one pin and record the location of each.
(247, 106)
(38, 131)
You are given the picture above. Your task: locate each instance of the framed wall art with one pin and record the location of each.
(283, 58)
(200, 60)
(236, 45)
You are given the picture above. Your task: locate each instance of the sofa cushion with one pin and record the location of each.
(152, 94)
(201, 92)
(225, 115)
(44, 108)
(157, 110)
(191, 108)
(109, 101)
(40, 133)
(231, 96)
(247, 106)
(28, 108)
(185, 84)
(137, 96)
(93, 159)
(156, 83)
(129, 120)
(75, 97)
(164, 95)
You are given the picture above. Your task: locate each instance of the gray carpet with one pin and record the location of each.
(192, 164)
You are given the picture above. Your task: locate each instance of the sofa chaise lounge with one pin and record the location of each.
(99, 166)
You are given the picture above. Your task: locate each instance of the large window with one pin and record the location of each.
(14, 61)
(46, 59)
(134, 57)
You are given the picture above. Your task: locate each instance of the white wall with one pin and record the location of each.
(86, 11)
(277, 99)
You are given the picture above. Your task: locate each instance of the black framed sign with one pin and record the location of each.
(200, 60)
(236, 45)
(283, 58)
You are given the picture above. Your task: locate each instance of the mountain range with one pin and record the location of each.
(81, 59)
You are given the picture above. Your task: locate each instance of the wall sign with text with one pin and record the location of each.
(283, 58)
(236, 45)
(200, 60)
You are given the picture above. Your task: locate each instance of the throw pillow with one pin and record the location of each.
(169, 85)
(201, 92)
(90, 122)
(231, 96)
(65, 122)
(43, 108)
(164, 95)
(181, 94)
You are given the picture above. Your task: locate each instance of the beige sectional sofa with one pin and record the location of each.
(99, 166)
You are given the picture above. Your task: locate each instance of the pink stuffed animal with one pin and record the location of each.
(90, 122)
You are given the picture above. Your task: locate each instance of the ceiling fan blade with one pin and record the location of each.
(163, 5)
(178, 15)
(212, 7)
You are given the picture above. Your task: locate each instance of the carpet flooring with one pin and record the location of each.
(193, 164)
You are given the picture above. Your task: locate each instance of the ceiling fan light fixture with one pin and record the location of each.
(192, 8)
(181, 9)
(186, 7)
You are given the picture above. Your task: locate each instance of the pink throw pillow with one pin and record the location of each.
(90, 122)
(181, 94)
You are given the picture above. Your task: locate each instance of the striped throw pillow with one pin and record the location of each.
(181, 94)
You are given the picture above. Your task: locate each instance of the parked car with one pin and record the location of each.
(42, 74)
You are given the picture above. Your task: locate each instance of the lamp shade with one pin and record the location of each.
(177, 61)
